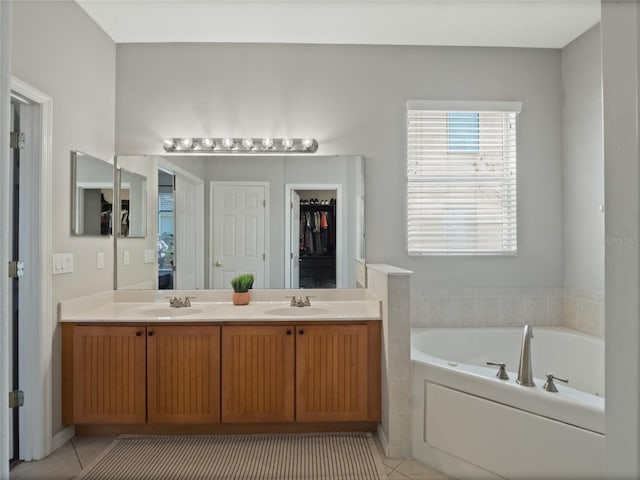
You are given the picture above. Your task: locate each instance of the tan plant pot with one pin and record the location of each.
(241, 298)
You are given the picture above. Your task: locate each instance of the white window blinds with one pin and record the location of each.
(461, 166)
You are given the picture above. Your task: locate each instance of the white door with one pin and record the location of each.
(238, 232)
(294, 255)
(185, 246)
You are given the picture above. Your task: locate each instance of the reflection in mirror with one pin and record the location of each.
(292, 221)
(92, 195)
(133, 204)
(135, 248)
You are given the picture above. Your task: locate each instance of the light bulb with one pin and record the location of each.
(186, 142)
(307, 143)
(287, 143)
(247, 143)
(267, 143)
(228, 143)
(169, 144)
(208, 143)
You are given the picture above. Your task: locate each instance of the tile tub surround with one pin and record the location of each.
(392, 286)
(216, 305)
(501, 307)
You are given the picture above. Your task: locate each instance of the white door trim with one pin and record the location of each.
(267, 251)
(340, 234)
(35, 340)
(199, 214)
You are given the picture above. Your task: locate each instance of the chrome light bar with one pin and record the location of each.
(241, 145)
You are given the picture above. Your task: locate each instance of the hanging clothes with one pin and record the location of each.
(324, 232)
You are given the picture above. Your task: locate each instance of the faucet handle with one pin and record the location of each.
(549, 386)
(293, 300)
(502, 372)
(187, 301)
(307, 302)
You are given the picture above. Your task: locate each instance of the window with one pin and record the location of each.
(461, 169)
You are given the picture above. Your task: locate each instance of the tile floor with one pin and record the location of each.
(69, 460)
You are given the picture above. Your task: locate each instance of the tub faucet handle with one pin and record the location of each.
(502, 372)
(549, 386)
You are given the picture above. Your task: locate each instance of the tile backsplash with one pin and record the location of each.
(493, 307)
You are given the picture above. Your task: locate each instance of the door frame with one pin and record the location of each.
(340, 234)
(267, 230)
(36, 416)
(166, 165)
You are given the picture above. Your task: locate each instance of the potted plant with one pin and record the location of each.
(241, 286)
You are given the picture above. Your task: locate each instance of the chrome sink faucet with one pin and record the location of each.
(177, 302)
(525, 376)
(297, 301)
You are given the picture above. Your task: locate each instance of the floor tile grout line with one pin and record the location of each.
(75, 450)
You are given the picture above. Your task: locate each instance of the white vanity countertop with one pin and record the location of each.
(126, 310)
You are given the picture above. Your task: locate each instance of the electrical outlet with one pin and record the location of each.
(100, 260)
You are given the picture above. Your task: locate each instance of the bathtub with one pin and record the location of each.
(470, 424)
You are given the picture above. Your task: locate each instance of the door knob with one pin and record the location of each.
(218, 263)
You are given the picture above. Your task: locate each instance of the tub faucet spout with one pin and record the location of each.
(525, 377)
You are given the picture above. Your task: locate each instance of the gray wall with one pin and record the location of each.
(60, 51)
(583, 163)
(353, 100)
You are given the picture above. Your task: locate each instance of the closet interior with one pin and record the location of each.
(317, 239)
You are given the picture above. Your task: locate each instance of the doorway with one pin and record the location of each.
(313, 236)
(29, 218)
(180, 207)
(17, 142)
(239, 232)
(166, 230)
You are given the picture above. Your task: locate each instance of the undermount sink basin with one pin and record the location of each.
(167, 312)
(298, 311)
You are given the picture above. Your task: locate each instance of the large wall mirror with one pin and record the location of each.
(92, 195)
(293, 221)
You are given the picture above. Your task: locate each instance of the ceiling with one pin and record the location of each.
(496, 23)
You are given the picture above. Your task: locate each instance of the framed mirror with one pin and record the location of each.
(91, 195)
(132, 191)
(293, 221)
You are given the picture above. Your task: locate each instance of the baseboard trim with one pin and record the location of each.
(384, 443)
(62, 437)
(221, 428)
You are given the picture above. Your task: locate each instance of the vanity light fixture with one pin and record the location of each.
(240, 145)
(247, 143)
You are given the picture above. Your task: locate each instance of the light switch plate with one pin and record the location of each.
(100, 260)
(125, 257)
(149, 255)
(62, 263)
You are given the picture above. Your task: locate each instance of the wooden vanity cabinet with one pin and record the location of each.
(257, 374)
(302, 375)
(183, 374)
(109, 373)
(141, 374)
(332, 373)
(328, 372)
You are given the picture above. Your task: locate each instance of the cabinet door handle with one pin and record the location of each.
(288, 332)
(150, 333)
(138, 334)
(301, 332)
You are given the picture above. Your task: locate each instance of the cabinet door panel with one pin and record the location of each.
(183, 374)
(109, 374)
(331, 373)
(257, 374)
